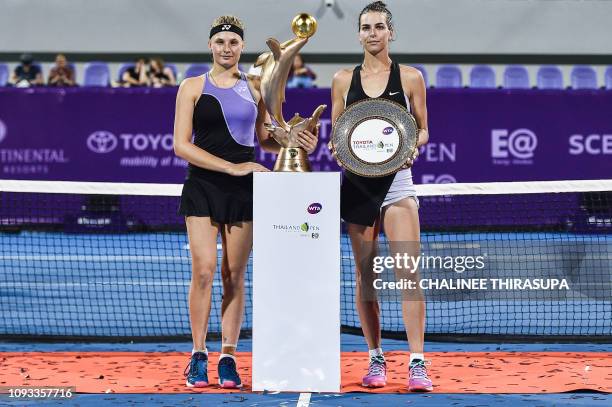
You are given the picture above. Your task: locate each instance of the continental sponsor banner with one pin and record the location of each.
(126, 135)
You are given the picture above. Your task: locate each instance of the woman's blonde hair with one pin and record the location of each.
(228, 20)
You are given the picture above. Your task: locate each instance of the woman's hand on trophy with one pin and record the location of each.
(307, 140)
(238, 170)
(410, 161)
(278, 133)
(332, 150)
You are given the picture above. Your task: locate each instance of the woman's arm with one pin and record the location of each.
(340, 84)
(338, 90)
(414, 84)
(142, 76)
(186, 98)
(265, 139)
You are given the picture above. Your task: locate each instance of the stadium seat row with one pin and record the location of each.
(447, 76)
(517, 77)
(98, 73)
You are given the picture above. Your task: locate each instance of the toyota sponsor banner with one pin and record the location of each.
(125, 135)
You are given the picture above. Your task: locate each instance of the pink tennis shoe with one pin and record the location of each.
(377, 373)
(419, 381)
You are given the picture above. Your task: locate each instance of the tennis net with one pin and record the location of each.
(106, 261)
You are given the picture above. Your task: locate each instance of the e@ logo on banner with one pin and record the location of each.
(518, 146)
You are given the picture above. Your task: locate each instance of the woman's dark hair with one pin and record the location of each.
(158, 61)
(376, 7)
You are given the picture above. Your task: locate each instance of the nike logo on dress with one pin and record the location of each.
(393, 93)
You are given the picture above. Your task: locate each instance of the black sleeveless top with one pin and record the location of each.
(362, 197)
(223, 125)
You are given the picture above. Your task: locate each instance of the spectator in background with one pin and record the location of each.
(27, 74)
(300, 76)
(61, 74)
(160, 75)
(135, 75)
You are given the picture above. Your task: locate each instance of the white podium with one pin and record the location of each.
(296, 282)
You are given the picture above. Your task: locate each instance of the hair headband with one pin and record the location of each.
(226, 27)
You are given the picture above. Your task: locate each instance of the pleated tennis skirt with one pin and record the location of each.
(224, 198)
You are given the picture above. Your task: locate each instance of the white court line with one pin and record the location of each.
(304, 400)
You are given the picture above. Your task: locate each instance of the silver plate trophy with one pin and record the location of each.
(374, 137)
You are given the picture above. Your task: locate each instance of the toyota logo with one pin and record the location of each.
(102, 142)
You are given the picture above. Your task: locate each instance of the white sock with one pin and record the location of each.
(226, 355)
(376, 352)
(205, 351)
(414, 356)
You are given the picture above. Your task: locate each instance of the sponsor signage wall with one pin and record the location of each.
(125, 135)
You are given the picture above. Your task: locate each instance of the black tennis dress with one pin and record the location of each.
(361, 198)
(223, 125)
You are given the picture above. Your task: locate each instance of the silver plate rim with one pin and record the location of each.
(394, 113)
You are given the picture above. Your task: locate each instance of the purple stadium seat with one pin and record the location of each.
(423, 72)
(583, 77)
(172, 68)
(608, 77)
(196, 70)
(448, 76)
(96, 74)
(550, 77)
(4, 74)
(73, 66)
(482, 76)
(516, 77)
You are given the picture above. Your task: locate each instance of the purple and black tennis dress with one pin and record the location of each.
(223, 125)
(362, 198)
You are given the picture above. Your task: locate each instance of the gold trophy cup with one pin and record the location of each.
(275, 66)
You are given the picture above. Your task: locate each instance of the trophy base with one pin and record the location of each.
(292, 159)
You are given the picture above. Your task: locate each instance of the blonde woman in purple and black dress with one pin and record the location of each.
(224, 110)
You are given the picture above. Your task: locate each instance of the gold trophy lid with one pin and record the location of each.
(304, 25)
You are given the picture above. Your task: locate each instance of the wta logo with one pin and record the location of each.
(314, 208)
(388, 130)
